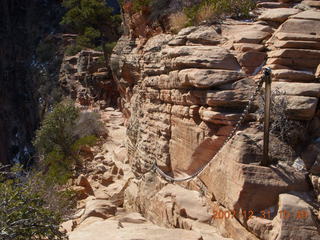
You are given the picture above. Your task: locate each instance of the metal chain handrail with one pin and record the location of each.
(245, 112)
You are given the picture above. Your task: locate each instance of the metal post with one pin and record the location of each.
(267, 78)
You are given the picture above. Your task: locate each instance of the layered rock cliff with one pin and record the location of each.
(183, 93)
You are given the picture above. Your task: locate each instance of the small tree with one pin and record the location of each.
(59, 142)
(94, 21)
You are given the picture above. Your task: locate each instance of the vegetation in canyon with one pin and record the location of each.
(194, 13)
(63, 133)
(94, 22)
(30, 209)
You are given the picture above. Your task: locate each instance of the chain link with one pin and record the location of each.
(154, 166)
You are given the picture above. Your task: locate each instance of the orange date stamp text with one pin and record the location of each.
(266, 214)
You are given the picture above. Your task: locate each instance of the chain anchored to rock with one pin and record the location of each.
(154, 167)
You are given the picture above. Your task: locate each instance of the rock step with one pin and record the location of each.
(180, 57)
(246, 47)
(278, 15)
(221, 118)
(193, 78)
(315, 4)
(298, 89)
(293, 75)
(111, 229)
(297, 44)
(309, 15)
(295, 63)
(301, 108)
(273, 5)
(295, 54)
(301, 26)
(297, 36)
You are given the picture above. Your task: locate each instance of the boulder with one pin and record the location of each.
(299, 89)
(246, 47)
(69, 225)
(204, 35)
(300, 27)
(308, 64)
(251, 59)
(252, 36)
(309, 14)
(294, 220)
(199, 56)
(134, 217)
(295, 53)
(107, 179)
(81, 192)
(310, 157)
(297, 44)
(205, 78)
(293, 75)
(116, 191)
(296, 36)
(291, 219)
(301, 108)
(223, 118)
(238, 182)
(278, 14)
(174, 201)
(99, 208)
(83, 182)
(227, 98)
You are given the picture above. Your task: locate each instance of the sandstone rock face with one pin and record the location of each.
(299, 217)
(85, 78)
(99, 208)
(183, 93)
(292, 211)
(144, 231)
(278, 14)
(172, 206)
(247, 183)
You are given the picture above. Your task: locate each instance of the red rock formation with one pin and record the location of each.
(182, 93)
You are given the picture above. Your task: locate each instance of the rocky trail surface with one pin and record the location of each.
(101, 212)
(181, 95)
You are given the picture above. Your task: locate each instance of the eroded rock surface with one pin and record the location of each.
(183, 93)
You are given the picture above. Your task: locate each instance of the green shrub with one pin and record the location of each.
(89, 39)
(60, 138)
(25, 213)
(93, 21)
(210, 9)
(73, 50)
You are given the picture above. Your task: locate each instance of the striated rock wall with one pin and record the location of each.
(85, 79)
(183, 93)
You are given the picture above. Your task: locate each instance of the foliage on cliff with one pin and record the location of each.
(190, 12)
(26, 210)
(63, 133)
(210, 10)
(94, 21)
